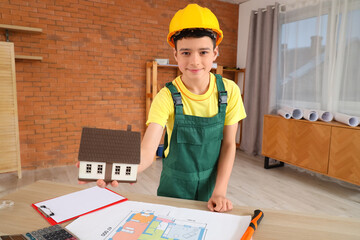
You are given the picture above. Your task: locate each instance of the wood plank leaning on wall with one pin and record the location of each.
(9, 127)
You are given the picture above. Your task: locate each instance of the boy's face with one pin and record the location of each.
(195, 57)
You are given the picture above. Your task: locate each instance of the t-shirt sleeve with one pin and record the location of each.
(161, 108)
(235, 110)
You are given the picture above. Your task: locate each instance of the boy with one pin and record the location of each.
(201, 112)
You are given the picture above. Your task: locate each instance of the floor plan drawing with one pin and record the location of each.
(148, 226)
(131, 220)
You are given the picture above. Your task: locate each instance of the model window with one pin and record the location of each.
(128, 170)
(117, 170)
(100, 169)
(88, 168)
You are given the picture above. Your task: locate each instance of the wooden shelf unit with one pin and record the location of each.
(331, 149)
(152, 87)
(15, 28)
(236, 76)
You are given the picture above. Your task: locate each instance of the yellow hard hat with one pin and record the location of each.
(194, 16)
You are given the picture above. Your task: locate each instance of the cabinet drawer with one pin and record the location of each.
(344, 160)
(276, 138)
(310, 146)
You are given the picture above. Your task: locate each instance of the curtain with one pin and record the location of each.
(319, 55)
(262, 47)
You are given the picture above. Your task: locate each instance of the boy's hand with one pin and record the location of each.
(219, 204)
(101, 183)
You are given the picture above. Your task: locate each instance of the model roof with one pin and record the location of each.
(106, 145)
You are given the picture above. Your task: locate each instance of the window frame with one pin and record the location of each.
(128, 170)
(117, 170)
(88, 168)
(100, 169)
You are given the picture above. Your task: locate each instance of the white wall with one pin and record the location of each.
(244, 22)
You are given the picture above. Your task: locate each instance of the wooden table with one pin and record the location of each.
(276, 224)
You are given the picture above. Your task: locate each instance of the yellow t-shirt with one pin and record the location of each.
(205, 105)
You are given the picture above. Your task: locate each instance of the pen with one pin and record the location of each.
(255, 221)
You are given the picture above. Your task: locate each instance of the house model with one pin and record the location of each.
(109, 155)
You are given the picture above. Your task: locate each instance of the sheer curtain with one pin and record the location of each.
(318, 63)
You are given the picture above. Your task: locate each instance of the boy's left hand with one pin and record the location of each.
(219, 204)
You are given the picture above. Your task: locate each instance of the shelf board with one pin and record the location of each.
(234, 70)
(20, 28)
(23, 57)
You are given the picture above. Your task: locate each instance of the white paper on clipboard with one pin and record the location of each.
(70, 206)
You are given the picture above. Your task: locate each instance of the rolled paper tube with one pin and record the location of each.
(349, 120)
(295, 112)
(310, 115)
(326, 116)
(283, 113)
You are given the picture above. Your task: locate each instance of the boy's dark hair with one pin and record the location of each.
(195, 33)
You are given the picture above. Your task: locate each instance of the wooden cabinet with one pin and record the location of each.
(327, 148)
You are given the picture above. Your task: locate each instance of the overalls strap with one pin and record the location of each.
(176, 96)
(222, 93)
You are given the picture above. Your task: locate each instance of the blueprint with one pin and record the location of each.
(132, 220)
(146, 226)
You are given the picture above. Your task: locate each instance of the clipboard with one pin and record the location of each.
(70, 206)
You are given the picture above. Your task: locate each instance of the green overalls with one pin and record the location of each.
(189, 170)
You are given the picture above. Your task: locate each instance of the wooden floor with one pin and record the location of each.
(287, 188)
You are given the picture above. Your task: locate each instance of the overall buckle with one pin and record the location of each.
(177, 99)
(223, 97)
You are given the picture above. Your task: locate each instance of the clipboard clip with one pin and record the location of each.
(42, 210)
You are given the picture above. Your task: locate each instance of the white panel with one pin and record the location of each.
(94, 166)
(123, 176)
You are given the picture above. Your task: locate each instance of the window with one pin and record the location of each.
(128, 170)
(302, 54)
(117, 170)
(318, 57)
(100, 169)
(349, 86)
(88, 168)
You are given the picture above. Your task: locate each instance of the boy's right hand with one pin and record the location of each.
(101, 183)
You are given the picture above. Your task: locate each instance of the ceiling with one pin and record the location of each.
(234, 1)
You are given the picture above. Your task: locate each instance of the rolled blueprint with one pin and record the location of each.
(349, 120)
(283, 113)
(295, 112)
(325, 116)
(310, 115)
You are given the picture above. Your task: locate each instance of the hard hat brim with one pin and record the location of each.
(219, 37)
